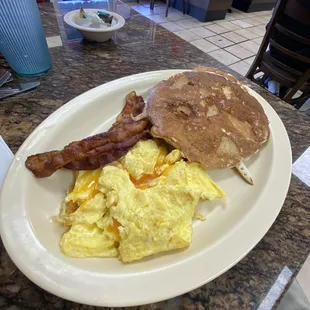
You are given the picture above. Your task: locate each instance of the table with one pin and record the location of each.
(256, 282)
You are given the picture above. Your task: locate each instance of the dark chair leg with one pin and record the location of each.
(252, 69)
(291, 92)
(152, 3)
(167, 6)
(183, 6)
(259, 56)
(288, 96)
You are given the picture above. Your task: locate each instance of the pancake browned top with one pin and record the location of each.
(209, 116)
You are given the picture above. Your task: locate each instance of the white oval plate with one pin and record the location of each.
(231, 230)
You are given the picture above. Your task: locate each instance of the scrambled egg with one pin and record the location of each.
(141, 205)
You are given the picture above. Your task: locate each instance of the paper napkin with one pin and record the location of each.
(6, 157)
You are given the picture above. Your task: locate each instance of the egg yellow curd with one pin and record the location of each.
(137, 206)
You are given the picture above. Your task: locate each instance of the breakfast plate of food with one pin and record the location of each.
(146, 187)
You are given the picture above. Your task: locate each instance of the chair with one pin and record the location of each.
(291, 68)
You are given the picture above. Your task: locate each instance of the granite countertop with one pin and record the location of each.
(260, 279)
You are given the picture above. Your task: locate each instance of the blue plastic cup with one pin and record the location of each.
(22, 38)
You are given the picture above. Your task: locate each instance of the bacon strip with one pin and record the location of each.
(98, 150)
(117, 150)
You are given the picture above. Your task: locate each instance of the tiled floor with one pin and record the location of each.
(233, 41)
(54, 41)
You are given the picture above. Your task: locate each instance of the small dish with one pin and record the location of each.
(95, 34)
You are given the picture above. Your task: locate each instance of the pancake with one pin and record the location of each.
(209, 115)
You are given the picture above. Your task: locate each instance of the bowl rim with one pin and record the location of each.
(120, 21)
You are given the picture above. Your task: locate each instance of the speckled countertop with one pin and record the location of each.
(256, 282)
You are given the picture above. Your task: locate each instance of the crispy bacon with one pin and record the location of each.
(98, 150)
(117, 150)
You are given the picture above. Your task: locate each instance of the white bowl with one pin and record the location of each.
(95, 34)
